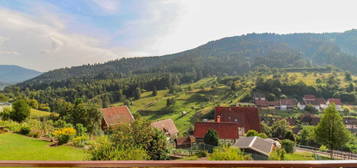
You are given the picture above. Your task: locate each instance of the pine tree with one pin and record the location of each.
(211, 138)
(331, 130)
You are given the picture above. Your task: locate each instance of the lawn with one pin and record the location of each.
(18, 147)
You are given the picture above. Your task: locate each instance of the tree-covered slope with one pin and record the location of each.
(232, 55)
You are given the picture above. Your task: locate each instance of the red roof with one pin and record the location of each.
(310, 97)
(113, 116)
(246, 117)
(168, 126)
(289, 102)
(316, 101)
(335, 101)
(224, 130)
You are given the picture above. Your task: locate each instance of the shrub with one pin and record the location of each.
(278, 154)
(81, 130)
(288, 145)
(103, 149)
(63, 135)
(24, 130)
(201, 154)
(35, 133)
(80, 141)
(11, 125)
(251, 133)
(323, 148)
(227, 153)
(5, 114)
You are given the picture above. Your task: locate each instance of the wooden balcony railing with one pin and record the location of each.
(260, 164)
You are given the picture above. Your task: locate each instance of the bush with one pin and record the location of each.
(278, 154)
(251, 133)
(288, 145)
(227, 153)
(63, 135)
(323, 148)
(11, 125)
(80, 141)
(201, 154)
(24, 130)
(104, 149)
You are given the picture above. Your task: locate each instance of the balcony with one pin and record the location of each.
(260, 164)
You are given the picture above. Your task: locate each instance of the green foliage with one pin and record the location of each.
(81, 130)
(277, 154)
(64, 135)
(251, 133)
(280, 129)
(80, 141)
(323, 148)
(306, 136)
(138, 137)
(228, 153)
(86, 114)
(288, 145)
(266, 129)
(201, 154)
(24, 130)
(104, 149)
(331, 130)
(5, 114)
(154, 91)
(311, 109)
(211, 138)
(3, 98)
(21, 110)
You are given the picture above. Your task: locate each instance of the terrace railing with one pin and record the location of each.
(120, 164)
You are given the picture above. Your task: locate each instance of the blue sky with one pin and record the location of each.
(50, 34)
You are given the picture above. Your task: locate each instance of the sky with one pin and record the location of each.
(50, 34)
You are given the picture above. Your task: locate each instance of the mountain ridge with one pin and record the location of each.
(11, 74)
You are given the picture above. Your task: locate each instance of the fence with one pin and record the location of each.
(336, 153)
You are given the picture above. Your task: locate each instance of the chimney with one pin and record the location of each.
(218, 118)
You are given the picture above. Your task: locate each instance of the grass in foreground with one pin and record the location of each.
(18, 147)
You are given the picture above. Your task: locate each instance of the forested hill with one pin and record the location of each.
(232, 55)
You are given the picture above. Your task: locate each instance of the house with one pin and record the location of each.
(167, 126)
(247, 118)
(335, 101)
(185, 142)
(287, 104)
(115, 116)
(259, 148)
(259, 96)
(317, 103)
(225, 130)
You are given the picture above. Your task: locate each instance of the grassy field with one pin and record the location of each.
(18, 147)
(194, 101)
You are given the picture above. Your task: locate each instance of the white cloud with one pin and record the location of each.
(109, 6)
(32, 43)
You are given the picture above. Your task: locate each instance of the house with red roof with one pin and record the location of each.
(246, 117)
(115, 116)
(225, 130)
(167, 126)
(288, 103)
(336, 101)
(230, 122)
